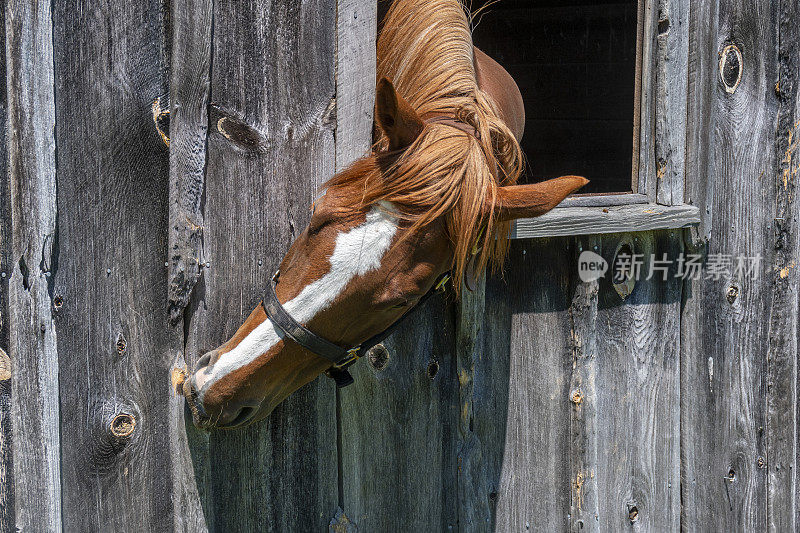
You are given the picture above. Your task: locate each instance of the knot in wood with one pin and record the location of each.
(731, 67)
(121, 345)
(733, 293)
(378, 357)
(122, 425)
(5, 365)
(576, 396)
(433, 369)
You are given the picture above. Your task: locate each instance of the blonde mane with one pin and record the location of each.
(425, 48)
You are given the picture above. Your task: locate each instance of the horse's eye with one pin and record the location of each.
(404, 302)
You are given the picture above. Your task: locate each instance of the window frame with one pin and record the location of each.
(659, 147)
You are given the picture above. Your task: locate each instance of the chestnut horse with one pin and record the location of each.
(437, 192)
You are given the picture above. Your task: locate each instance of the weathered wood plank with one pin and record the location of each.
(32, 348)
(782, 372)
(6, 262)
(109, 281)
(603, 200)
(398, 421)
(669, 141)
(476, 496)
(356, 28)
(521, 408)
(587, 498)
(613, 219)
(724, 337)
(190, 78)
(638, 391)
(700, 123)
(188, 128)
(647, 182)
(270, 144)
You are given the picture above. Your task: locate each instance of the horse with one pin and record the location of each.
(436, 194)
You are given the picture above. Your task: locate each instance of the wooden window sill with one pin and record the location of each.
(564, 221)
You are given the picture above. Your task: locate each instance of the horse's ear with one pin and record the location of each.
(527, 201)
(394, 115)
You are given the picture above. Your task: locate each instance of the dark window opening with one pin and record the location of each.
(575, 64)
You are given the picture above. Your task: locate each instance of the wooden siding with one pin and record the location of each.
(536, 403)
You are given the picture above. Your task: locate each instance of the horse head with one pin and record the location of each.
(378, 239)
(435, 195)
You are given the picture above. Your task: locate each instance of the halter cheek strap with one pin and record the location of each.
(341, 358)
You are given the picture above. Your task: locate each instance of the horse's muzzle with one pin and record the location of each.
(232, 415)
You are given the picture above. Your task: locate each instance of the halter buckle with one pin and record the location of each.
(352, 357)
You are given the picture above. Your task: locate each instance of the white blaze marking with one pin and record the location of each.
(356, 252)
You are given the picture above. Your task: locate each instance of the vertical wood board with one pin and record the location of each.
(32, 347)
(270, 145)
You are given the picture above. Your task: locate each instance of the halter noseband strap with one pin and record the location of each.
(341, 358)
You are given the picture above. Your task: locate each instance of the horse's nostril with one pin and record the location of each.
(239, 417)
(206, 360)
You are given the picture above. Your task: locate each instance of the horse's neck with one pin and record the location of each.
(498, 83)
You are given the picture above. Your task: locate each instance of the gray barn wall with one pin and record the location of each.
(536, 403)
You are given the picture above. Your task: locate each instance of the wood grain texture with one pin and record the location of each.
(662, 136)
(110, 278)
(32, 348)
(701, 122)
(188, 102)
(6, 262)
(637, 390)
(476, 495)
(356, 28)
(521, 408)
(784, 321)
(399, 421)
(587, 500)
(668, 146)
(647, 182)
(270, 145)
(613, 219)
(190, 79)
(603, 200)
(725, 339)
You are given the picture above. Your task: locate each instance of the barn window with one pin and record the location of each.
(604, 84)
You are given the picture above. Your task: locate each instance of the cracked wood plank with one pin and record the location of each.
(784, 321)
(32, 348)
(6, 262)
(188, 129)
(272, 84)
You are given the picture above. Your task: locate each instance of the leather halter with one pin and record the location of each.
(342, 358)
